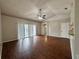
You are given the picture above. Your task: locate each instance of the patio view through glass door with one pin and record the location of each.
(26, 30)
(29, 30)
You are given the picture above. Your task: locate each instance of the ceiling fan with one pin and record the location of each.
(41, 14)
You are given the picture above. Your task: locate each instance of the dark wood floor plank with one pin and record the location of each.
(38, 47)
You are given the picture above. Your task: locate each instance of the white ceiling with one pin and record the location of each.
(29, 8)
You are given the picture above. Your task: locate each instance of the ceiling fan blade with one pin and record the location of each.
(44, 17)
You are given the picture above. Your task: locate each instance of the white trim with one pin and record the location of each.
(9, 40)
(57, 36)
(0, 51)
(0, 43)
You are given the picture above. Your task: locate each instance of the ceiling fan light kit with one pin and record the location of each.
(41, 15)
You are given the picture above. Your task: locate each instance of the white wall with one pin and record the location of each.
(0, 27)
(77, 28)
(55, 28)
(10, 27)
(72, 38)
(75, 38)
(77, 25)
(65, 29)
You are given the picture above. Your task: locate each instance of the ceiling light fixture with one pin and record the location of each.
(40, 17)
(41, 14)
(65, 8)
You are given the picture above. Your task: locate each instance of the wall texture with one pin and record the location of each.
(10, 27)
(0, 27)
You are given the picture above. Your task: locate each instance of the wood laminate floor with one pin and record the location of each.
(38, 47)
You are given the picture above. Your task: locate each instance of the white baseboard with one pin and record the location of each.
(9, 40)
(0, 51)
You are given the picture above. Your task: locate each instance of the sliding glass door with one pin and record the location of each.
(34, 30)
(26, 30)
